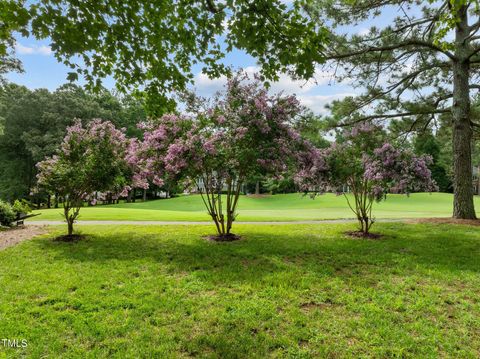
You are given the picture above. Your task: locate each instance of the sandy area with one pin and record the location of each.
(10, 237)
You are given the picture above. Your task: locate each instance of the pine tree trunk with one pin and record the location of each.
(463, 206)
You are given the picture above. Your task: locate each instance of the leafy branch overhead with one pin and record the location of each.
(157, 43)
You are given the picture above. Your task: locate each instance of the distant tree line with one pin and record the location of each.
(33, 124)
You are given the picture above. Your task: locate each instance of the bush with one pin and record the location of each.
(7, 214)
(21, 207)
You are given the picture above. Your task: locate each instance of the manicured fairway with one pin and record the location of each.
(289, 207)
(299, 291)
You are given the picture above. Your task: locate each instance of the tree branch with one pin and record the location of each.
(411, 42)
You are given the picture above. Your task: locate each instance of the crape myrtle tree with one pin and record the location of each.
(423, 61)
(241, 133)
(34, 124)
(90, 160)
(361, 162)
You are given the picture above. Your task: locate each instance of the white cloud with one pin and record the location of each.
(317, 103)
(363, 31)
(206, 86)
(33, 50)
(289, 86)
(23, 50)
(44, 50)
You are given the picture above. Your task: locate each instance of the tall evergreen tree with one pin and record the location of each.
(420, 64)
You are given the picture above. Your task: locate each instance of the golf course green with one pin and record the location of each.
(281, 207)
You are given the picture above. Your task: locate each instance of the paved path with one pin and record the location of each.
(189, 223)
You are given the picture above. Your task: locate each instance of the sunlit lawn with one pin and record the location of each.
(283, 291)
(288, 207)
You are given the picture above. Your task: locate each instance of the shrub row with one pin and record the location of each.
(9, 213)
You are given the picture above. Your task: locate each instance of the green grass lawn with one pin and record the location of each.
(294, 291)
(289, 207)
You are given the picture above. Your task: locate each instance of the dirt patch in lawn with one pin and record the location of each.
(12, 236)
(469, 222)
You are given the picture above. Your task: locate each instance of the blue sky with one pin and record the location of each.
(43, 71)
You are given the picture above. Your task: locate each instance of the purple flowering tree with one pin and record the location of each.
(90, 160)
(241, 133)
(361, 162)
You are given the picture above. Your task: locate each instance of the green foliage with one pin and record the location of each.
(427, 144)
(280, 185)
(449, 19)
(153, 45)
(90, 161)
(34, 123)
(13, 17)
(404, 65)
(7, 214)
(313, 128)
(21, 207)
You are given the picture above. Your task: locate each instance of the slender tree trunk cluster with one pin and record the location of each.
(71, 209)
(363, 204)
(221, 206)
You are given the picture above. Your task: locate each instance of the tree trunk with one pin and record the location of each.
(144, 195)
(257, 188)
(463, 206)
(49, 201)
(70, 227)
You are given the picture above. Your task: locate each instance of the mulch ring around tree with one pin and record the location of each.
(362, 235)
(12, 236)
(448, 220)
(223, 238)
(70, 238)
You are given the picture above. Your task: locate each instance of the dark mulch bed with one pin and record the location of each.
(70, 238)
(358, 234)
(225, 238)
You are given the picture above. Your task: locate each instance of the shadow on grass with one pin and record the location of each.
(302, 248)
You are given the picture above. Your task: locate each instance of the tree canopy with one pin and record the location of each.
(154, 44)
(34, 123)
(240, 134)
(90, 160)
(362, 162)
